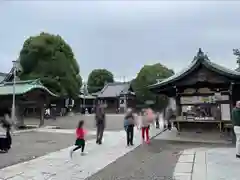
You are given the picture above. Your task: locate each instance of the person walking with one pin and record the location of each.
(100, 123)
(168, 118)
(146, 120)
(129, 122)
(80, 141)
(157, 120)
(236, 126)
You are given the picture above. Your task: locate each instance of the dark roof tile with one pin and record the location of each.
(114, 89)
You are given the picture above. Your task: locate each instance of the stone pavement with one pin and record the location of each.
(209, 164)
(58, 165)
(29, 145)
(204, 163)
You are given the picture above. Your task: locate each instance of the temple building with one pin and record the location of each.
(116, 97)
(204, 93)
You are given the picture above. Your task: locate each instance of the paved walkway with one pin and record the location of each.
(208, 164)
(193, 164)
(58, 165)
(204, 163)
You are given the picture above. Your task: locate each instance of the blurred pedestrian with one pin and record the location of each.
(168, 118)
(236, 126)
(100, 123)
(157, 120)
(146, 120)
(129, 122)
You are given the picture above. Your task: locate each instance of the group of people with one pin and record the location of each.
(143, 122)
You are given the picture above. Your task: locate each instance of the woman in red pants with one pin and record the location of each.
(147, 119)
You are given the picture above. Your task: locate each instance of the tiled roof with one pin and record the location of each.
(238, 69)
(2, 76)
(22, 87)
(114, 89)
(201, 58)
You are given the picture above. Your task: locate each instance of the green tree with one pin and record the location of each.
(49, 58)
(97, 79)
(150, 74)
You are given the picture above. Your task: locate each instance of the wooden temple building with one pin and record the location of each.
(28, 94)
(116, 97)
(204, 92)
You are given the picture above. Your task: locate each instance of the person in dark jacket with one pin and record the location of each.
(129, 122)
(236, 126)
(100, 123)
(157, 120)
(168, 117)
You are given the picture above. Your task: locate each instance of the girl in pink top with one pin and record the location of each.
(80, 135)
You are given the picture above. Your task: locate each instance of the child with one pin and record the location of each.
(80, 141)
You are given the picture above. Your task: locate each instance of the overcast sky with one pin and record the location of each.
(122, 36)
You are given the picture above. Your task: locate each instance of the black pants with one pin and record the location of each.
(130, 134)
(157, 124)
(100, 130)
(82, 145)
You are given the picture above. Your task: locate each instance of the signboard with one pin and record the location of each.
(203, 99)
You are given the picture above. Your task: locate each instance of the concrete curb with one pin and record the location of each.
(158, 133)
(199, 141)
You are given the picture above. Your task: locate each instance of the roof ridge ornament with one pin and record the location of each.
(200, 53)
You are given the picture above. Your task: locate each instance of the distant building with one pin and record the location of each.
(116, 96)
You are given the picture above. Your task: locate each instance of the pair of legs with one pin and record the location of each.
(157, 124)
(145, 130)
(237, 133)
(80, 144)
(100, 130)
(130, 134)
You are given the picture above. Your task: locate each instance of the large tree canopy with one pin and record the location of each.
(97, 79)
(49, 58)
(149, 74)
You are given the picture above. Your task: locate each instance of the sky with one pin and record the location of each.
(122, 36)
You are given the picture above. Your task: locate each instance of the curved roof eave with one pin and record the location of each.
(197, 61)
(176, 76)
(42, 88)
(38, 87)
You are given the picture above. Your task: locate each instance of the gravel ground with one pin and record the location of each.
(154, 162)
(29, 145)
(113, 122)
